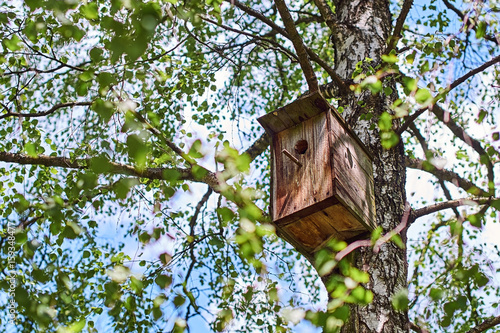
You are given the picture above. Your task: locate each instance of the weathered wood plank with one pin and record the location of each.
(304, 108)
(301, 186)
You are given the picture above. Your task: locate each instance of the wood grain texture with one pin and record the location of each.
(299, 187)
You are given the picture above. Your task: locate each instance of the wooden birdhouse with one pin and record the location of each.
(322, 177)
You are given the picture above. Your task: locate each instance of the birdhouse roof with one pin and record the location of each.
(304, 108)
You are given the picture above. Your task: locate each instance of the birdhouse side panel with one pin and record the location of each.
(302, 172)
(353, 174)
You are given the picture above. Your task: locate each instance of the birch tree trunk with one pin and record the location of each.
(363, 29)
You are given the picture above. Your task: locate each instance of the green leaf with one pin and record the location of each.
(423, 96)
(100, 164)
(90, 11)
(195, 150)
(391, 58)
(137, 149)
(163, 281)
(13, 44)
(385, 122)
(104, 109)
(123, 186)
(76, 327)
(400, 300)
(389, 139)
(398, 241)
(482, 113)
(30, 149)
(171, 175)
(436, 294)
(409, 85)
(496, 204)
(179, 300)
(481, 30)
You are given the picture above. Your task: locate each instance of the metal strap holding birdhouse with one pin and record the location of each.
(322, 176)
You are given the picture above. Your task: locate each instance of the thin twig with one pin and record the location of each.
(162, 138)
(255, 37)
(463, 18)
(44, 113)
(428, 154)
(445, 117)
(410, 119)
(343, 87)
(379, 242)
(327, 14)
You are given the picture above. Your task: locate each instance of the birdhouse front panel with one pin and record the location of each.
(303, 170)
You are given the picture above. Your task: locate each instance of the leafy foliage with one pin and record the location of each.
(123, 112)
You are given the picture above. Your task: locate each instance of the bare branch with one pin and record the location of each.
(254, 37)
(429, 154)
(409, 120)
(450, 204)
(259, 146)
(463, 17)
(447, 175)
(486, 325)
(474, 72)
(298, 44)
(396, 33)
(199, 206)
(445, 117)
(327, 14)
(44, 113)
(381, 241)
(344, 88)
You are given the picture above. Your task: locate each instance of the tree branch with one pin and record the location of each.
(445, 117)
(298, 44)
(382, 240)
(254, 37)
(443, 174)
(343, 87)
(474, 72)
(485, 325)
(210, 178)
(259, 146)
(429, 154)
(327, 14)
(162, 138)
(409, 120)
(44, 113)
(450, 204)
(396, 33)
(414, 327)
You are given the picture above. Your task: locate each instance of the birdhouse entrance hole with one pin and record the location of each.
(321, 176)
(301, 147)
